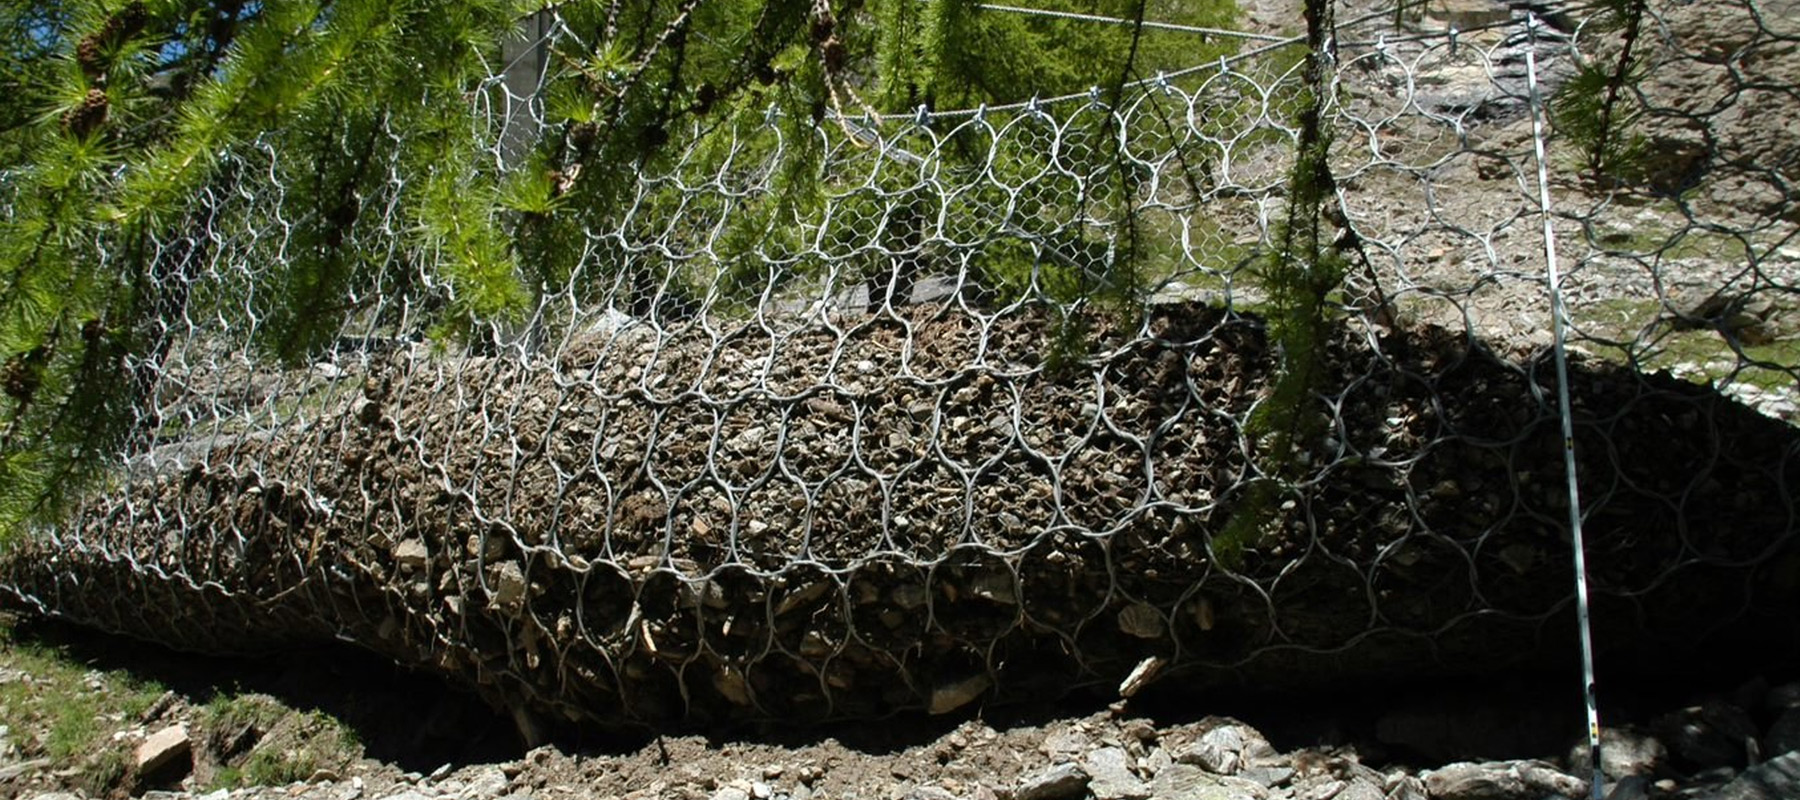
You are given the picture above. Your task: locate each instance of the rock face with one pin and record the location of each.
(1719, 103)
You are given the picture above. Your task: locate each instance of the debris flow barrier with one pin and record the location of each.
(1090, 391)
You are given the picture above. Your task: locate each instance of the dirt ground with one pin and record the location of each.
(338, 724)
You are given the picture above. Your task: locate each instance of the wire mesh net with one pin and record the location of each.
(1004, 402)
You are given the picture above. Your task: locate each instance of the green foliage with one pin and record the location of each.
(131, 135)
(236, 710)
(952, 54)
(969, 56)
(1597, 109)
(1047, 247)
(105, 772)
(1301, 273)
(65, 699)
(142, 139)
(292, 746)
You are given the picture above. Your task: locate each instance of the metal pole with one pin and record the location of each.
(1557, 328)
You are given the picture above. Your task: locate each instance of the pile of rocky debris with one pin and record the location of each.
(1745, 746)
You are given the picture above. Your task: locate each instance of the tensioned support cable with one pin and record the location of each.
(811, 420)
(1162, 26)
(1558, 325)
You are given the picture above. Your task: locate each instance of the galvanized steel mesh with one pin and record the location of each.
(887, 451)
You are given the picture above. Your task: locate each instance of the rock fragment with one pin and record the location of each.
(1500, 780)
(1141, 676)
(1623, 752)
(1141, 620)
(1775, 779)
(1189, 782)
(1227, 747)
(411, 553)
(1269, 777)
(1709, 735)
(488, 782)
(1339, 790)
(162, 748)
(11, 771)
(506, 586)
(1110, 775)
(1783, 697)
(1061, 782)
(1784, 735)
(1401, 786)
(956, 694)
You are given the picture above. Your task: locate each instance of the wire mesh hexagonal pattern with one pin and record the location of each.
(996, 403)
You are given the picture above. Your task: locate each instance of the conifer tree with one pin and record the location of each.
(138, 136)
